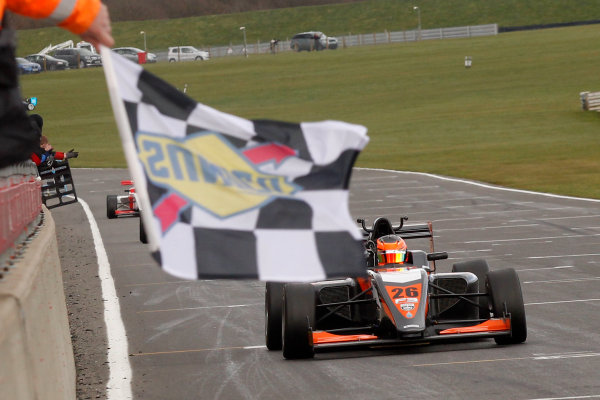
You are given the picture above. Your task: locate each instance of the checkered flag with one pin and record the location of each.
(226, 197)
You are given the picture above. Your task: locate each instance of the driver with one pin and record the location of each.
(391, 249)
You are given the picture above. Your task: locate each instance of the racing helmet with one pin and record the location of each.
(391, 249)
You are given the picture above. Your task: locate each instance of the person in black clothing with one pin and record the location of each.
(18, 136)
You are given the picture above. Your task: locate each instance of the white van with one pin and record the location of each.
(186, 53)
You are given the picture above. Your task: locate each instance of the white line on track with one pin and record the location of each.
(539, 269)
(562, 301)
(567, 255)
(533, 358)
(119, 381)
(595, 278)
(591, 396)
(457, 219)
(377, 189)
(533, 238)
(574, 216)
(482, 228)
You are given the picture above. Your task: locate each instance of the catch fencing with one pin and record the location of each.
(365, 39)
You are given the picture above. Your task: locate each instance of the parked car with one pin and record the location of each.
(131, 53)
(82, 58)
(313, 40)
(48, 63)
(27, 67)
(186, 53)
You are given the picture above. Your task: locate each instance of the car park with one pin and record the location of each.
(78, 57)
(313, 40)
(132, 53)
(186, 53)
(48, 63)
(27, 67)
(401, 300)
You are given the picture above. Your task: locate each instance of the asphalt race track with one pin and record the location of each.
(205, 339)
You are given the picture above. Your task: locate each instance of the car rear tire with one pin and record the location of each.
(273, 314)
(143, 237)
(480, 268)
(111, 206)
(504, 289)
(171, 60)
(298, 320)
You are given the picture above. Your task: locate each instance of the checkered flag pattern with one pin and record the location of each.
(226, 197)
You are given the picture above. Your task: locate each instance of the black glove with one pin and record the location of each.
(71, 154)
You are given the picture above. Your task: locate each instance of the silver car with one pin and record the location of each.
(131, 53)
(186, 53)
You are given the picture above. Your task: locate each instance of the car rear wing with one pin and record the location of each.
(420, 231)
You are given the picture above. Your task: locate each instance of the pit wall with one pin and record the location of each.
(36, 354)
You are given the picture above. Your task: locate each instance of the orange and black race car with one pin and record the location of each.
(401, 300)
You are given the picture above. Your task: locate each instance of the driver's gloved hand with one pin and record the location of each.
(71, 154)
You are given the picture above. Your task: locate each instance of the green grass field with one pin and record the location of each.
(513, 119)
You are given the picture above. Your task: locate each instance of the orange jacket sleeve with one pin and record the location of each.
(73, 15)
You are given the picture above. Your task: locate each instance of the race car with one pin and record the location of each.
(401, 300)
(123, 205)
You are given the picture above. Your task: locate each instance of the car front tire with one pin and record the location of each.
(298, 320)
(273, 314)
(111, 206)
(504, 290)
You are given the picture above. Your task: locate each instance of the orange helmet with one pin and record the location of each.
(391, 249)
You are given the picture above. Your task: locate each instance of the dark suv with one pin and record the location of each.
(82, 58)
(313, 40)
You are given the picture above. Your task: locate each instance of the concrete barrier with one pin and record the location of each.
(36, 355)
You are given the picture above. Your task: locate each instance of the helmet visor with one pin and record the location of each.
(391, 257)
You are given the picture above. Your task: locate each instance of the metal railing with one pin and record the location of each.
(20, 203)
(365, 39)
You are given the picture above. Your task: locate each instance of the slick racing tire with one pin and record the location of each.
(298, 320)
(111, 206)
(143, 237)
(480, 268)
(273, 314)
(504, 290)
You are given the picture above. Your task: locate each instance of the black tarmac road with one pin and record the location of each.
(205, 339)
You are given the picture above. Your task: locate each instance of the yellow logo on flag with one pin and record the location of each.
(207, 171)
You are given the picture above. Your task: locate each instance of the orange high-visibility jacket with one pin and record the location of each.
(73, 15)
